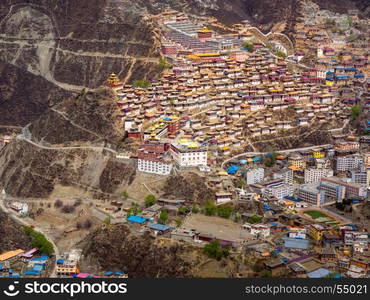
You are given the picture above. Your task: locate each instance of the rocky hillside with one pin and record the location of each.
(89, 117)
(64, 45)
(74, 146)
(77, 43)
(189, 186)
(12, 236)
(142, 256)
(24, 96)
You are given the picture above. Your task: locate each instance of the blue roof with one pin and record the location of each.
(37, 268)
(232, 169)
(351, 69)
(295, 243)
(342, 77)
(160, 227)
(242, 161)
(359, 75)
(31, 272)
(109, 273)
(137, 219)
(41, 258)
(167, 119)
(60, 261)
(256, 159)
(320, 273)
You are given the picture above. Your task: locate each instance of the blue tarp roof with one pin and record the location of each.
(137, 219)
(295, 243)
(31, 272)
(41, 258)
(232, 169)
(37, 268)
(60, 261)
(160, 227)
(320, 273)
(359, 75)
(256, 159)
(242, 161)
(109, 273)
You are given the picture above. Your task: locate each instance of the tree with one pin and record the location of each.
(163, 217)
(281, 54)
(224, 211)
(133, 210)
(107, 221)
(150, 200)
(58, 203)
(215, 250)
(254, 219)
(248, 46)
(68, 209)
(178, 223)
(350, 21)
(266, 274)
(39, 241)
(195, 209)
(237, 218)
(164, 64)
(125, 195)
(183, 210)
(329, 22)
(355, 111)
(270, 159)
(142, 83)
(240, 183)
(210, 208)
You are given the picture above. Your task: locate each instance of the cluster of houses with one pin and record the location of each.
(217, 93)
(24, 264)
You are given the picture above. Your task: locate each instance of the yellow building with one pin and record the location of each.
(316, 231)
(297, 161)
(113, 80)
(318, 154)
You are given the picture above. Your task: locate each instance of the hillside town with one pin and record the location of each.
(219, 112)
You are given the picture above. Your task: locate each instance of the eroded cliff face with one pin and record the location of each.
(12, 236)
(72, 144)
(76, 44)
(24, 96)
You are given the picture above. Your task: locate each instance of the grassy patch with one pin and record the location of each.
(315, 214)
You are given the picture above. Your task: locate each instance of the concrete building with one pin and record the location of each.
(257, 230)
(346, 163)
(154, 158)
(356, 237)
(314, 175)
(285, 174)
(189, 154)
(280, 191)
(311, 193)
(256, 175)
(298, 161)
(334, 192)
(350, 189)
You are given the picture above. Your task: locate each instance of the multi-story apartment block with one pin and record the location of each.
(314, 175)
(348, 162)
(255, 175)
(311, 193)
(285, 174)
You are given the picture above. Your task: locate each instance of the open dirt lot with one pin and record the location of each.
(221, 228)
